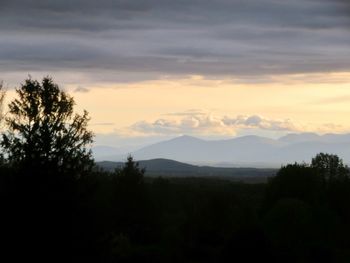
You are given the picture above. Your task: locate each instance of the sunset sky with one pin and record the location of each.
(147, 70)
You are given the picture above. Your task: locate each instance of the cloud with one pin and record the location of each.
(257, 122)
(81, 89)
(156, 38)
(200, 124)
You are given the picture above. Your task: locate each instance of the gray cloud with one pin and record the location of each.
(153, 37)
(81, 89)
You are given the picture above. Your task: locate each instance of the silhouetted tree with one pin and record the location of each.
(337, 180)
(309, 203)
(43, 131)
(130, 174)
(298, 181)
(48, 145)
(329, 166)
(130, 204)
(2, 98)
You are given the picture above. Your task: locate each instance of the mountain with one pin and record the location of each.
(154, 165)
(192, 150)
(102, 153)
(171, 168)
(246, 151)
(302, 137)
(313, 137)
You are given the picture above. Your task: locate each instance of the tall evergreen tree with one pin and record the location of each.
(44, 132)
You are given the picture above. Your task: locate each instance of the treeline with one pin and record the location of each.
(57, 207)
(300, 215)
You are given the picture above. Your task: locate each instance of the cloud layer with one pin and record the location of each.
(206, 124)
(183, 37)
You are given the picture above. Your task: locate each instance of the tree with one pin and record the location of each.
(130, 174)
(296, 181)
(43, 131)
(337, 180)
(130, 203)
(330, 167)
(2, 98)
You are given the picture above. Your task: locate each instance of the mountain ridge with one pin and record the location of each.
(249, 150)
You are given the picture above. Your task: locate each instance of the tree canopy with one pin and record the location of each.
(130, 173)
(44, 132)
(329, 166)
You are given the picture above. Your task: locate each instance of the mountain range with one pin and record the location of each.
(245, 151)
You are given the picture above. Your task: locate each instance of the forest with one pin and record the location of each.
(58, 206)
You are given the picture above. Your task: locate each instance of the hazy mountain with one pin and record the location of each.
(313, 137)
(246, 151)
(193, 150)
(190, 149)
(302, 137)
(102, 153)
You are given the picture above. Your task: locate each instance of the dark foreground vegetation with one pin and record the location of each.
(301, 215)
(56, 208)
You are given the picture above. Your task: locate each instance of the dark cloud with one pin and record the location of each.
(163, 37)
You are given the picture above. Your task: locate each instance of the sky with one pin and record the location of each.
(148, 70)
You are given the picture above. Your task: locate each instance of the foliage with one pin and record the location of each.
(295, 181)
(309, 203)
(130, 173)
(43, 131)
(330, 167)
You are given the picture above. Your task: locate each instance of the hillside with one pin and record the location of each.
(170, 168)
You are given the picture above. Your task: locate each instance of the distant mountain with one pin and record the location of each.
(166, 168)
(190, 149)
(313, 137)
(158, 165)
(302, 137)
(102, 153)
(246, 151)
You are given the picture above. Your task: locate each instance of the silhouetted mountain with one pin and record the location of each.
(165, 167)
